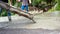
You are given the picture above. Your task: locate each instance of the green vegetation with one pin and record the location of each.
(56, 7)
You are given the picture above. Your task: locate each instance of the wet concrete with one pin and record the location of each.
(28, 31)
(47, 23)
(45, 20)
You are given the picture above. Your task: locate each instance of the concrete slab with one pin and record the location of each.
(42, 21)
(28, 31)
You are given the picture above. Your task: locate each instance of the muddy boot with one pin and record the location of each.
(9, 18)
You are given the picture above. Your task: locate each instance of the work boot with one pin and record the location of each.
(9, 18)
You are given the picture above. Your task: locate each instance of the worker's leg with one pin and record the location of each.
(0, 11)
(27, 8)
(22, 7)
(9, 15)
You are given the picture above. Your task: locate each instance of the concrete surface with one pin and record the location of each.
(47, 23)
(42, 21)
(28, 31)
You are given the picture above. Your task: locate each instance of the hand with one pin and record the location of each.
(18, 0)
(30, 1)
(10, 5)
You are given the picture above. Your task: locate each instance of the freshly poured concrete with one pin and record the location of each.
(46, 21)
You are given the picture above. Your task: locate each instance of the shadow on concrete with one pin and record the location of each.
(28, 31)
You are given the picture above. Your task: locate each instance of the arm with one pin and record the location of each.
(10, 2)
(30, 1)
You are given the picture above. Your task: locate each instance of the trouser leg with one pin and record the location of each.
(27, 8)
(0, 11)
(22, 7)
(9, 15)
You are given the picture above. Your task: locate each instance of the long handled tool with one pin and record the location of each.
(17, 10)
